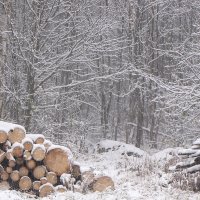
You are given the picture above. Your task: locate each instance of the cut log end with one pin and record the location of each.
(17, 150)
(39, 140)
(38, 152)
(39, 172)
(52, 178)
(102, 183)
(15, 176)
(23, 171)
(25, 183)
(9, 170)
(57, 161)
(16, 135)
(31, 164)
(4, 176)
(28, 145)
(43, 180)
(36, 185)
(46, 190)
(60, 188)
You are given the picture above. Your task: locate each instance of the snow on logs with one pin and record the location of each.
(29, 162)
(58, 159)
(46, 190)
(38, 152)
(102, 183)
(191, 158)
(12, 132)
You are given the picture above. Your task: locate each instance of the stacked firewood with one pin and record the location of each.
(190, 157)
(186, 173)
(29, 162)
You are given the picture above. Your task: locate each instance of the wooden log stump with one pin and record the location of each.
(15, 176)
(25, 183)
(31, 164)
(38, 153)
(39, 172)
(52, 178)
(58, 159)
(46, 190)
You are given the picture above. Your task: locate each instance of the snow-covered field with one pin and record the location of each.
(136, 178)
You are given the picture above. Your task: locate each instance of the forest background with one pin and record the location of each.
(86, 70)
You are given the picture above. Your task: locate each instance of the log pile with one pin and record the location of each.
(190, 157)
(29, 162)
(186, 172)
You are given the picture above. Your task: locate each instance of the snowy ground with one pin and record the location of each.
(136, 178)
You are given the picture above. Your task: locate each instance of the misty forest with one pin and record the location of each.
(108, 72)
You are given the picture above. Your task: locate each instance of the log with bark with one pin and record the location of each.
(10, 158)
(2, 155)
